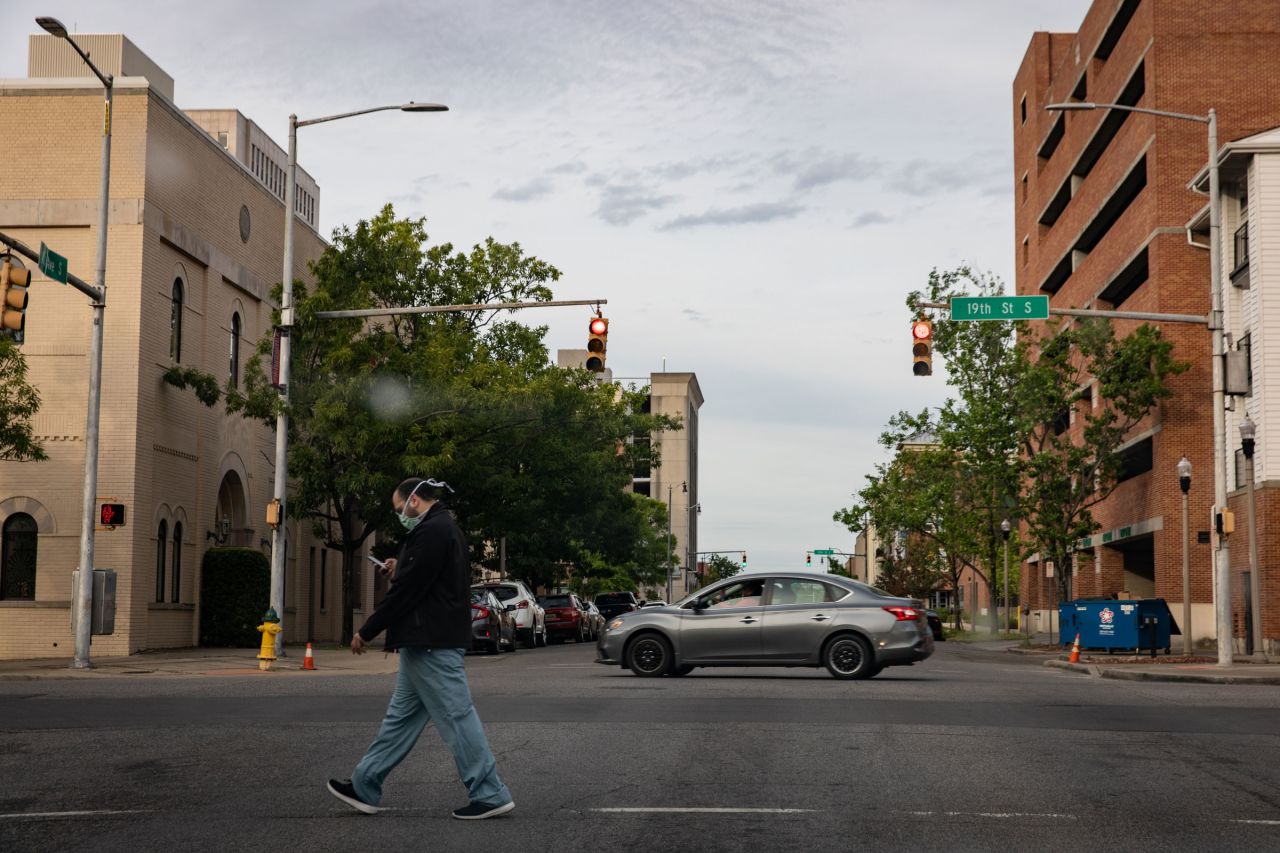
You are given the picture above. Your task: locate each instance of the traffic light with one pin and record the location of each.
(597, 343)
(111, 515)
(744, 559)
(922, 348)
(14, 278)
(808, 558)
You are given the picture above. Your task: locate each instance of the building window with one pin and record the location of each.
(222, 138)
(18, 561)
(1022, 108)
(175, 320)
(1024, 188)
(1026, 250)
(235, 350)
(1134, 460)
(162, 540)
(176, 593)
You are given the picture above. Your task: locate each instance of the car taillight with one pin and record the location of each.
(479, 613)
(904, 614)
(523, 605)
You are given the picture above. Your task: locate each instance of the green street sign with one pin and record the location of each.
(52, 264)
(999, 308)
(825, 551)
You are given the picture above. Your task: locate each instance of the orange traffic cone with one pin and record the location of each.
(309, 662)
(1074, 658)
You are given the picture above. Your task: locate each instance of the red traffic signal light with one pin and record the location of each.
(111, 515)
(597, 343)
(922, 348)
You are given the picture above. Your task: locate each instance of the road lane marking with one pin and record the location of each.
(996, 815)
(92, 813)
(688, 810)
(1257, 822)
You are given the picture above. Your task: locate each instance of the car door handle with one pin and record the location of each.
(819, 618)
(750, 620)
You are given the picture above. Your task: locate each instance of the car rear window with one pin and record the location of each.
(479, 596)
(505, 593)
(615, 598)
(556, 601)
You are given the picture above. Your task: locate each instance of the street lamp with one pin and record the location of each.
(286, 323)
(1222, 573)
(1184, 483)
(82, 595)
(1247, 433)
(1006, 527)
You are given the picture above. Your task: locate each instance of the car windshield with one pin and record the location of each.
(556, 601)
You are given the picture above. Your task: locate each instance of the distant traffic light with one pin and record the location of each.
(744, 559)
(808, 558)
(597, 343)
(14, 278)
(922, 348)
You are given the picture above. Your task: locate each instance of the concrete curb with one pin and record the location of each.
(1159, 672)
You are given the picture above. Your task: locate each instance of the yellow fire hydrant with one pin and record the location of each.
(269, 628)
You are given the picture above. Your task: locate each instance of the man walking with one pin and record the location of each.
(427, 616)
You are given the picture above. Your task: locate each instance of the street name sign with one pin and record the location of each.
(825, 551)
(999, 308)
(52, 264)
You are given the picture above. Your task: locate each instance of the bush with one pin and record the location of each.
(235, 590)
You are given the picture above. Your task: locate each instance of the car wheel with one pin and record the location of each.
(495, 647)
(683, 669)
(848, 656)
(649, 656)
(540, 639)
(514, 644)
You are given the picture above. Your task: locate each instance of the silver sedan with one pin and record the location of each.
(772, 619)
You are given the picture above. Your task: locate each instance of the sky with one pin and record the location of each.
(753, 186)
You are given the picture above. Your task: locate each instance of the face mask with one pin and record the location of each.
(409, 521)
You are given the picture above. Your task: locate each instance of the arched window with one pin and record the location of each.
(235, 350)
(18, 557)
(175, 320)
(176, 594)
(162, 540)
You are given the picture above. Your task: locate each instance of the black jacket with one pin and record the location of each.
(429, 602)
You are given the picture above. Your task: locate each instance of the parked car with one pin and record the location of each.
(613, 604)
(566, 619)
(657, 602)
(531, 621)
(773, 619)
(935, 625)
(493, 623)
(595, 620)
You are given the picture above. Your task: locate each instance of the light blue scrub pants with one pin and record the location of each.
(431, 687)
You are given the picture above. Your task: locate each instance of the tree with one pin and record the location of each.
(720, 567)
(19, 402)
(538, 454)
(1085, 391)
(985, 367)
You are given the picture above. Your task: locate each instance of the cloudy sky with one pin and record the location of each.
(753, 186)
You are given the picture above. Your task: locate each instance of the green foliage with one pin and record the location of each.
(537, 454)
(202, 384)
(19, 402)
(720, 567)
(235, 587)
(1004, 446)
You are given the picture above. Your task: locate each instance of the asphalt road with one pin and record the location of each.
(972, 750)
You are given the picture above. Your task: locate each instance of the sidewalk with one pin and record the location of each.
(1194, 673)
(199, 662)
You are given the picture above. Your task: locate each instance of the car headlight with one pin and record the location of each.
(615, 624)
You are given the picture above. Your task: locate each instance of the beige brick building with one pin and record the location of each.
(194, 247)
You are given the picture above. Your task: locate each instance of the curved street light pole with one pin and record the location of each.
(278, 542)
(1222, 567)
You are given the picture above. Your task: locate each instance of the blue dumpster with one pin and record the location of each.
(1111, 624)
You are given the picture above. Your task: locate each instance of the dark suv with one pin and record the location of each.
(613, 604)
